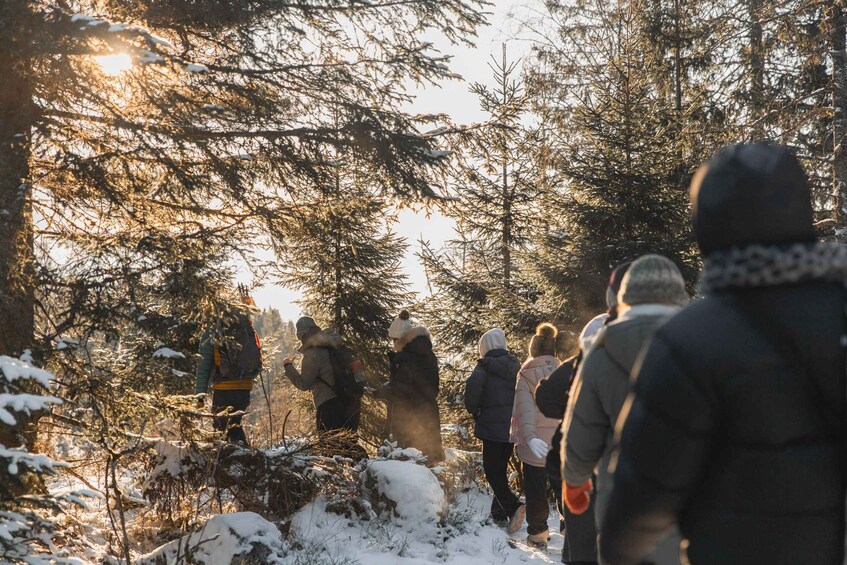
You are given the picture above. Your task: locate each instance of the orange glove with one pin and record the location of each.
(577, 498)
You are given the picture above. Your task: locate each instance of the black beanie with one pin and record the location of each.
(748, 194)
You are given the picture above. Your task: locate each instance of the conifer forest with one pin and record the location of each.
(164, 163)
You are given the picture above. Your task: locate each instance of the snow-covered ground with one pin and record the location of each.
(328, 538)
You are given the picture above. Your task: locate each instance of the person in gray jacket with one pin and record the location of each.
(652, 291)
(317, 375)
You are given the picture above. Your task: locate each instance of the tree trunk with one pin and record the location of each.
(837, 39)
(756, 61)
(506, 231)
(17, 293)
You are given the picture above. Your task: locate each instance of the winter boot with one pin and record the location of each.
(516, 521)
(538, 541)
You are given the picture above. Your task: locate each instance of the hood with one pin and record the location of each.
(591, 330)
(324, 338)
(492, 340)
(419, 335)
(750, 194)
(624, 339)
(502, 364)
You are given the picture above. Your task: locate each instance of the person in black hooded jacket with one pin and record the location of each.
(412, 393)
(489, 397)
(736, 426)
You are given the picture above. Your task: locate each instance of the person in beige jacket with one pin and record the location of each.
(532, 432)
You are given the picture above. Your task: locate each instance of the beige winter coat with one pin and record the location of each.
(527, 421)
(316, 373)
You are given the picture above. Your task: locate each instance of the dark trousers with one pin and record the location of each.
(341, 414)
(495, 463)
(234, 401)
(537, 506)
(580, 537)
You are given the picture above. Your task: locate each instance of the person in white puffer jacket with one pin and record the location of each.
(532, 432)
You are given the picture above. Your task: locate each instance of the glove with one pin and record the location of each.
(577, 498)
(538, 447)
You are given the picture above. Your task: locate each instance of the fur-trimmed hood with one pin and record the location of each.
(410, 335)
(324, 338)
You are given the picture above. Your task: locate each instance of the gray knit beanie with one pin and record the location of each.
(653, 279)
(304, 326)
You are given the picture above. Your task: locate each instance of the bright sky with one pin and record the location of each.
(452, 98)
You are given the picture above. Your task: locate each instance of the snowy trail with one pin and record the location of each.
(350, 541)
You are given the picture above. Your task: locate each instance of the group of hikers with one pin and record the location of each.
(335, 377)
(710, 431)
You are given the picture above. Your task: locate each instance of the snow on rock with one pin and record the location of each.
(168, 353)
(410, 491)
(14, 369)
(241, 538)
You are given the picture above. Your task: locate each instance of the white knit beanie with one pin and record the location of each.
(401, 325)
(491, 340)
(591, 330)
(653, 279)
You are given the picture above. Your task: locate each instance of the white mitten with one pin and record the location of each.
(538, 447)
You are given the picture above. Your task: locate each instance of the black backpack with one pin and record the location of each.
(349, 373)
(239, 356)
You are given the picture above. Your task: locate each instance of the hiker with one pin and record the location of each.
(532, 432)
(229, 361)
(412, 389)
(489, 397)
(736, 426)
(551, 397)
(652, 291)
(320, 372)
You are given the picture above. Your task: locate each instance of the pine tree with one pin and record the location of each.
(499, 189)
(622, 193)
(341, 254)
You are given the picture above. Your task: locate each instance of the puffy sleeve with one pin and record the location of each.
(585, 436)
(473, 390)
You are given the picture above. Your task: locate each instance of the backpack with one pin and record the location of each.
(240, 355)
(349, 373)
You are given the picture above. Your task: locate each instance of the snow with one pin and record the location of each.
(325, 537)
(64, 343)
(223, 538)
(150, 57)
(35, 461)
(413, 488)
(438, 154)
(24, 402)
(196, 68)
(168, 353)
(14, 369)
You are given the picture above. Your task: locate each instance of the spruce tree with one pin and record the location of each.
(498, 194)
(622, 196)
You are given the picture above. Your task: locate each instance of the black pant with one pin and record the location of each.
(341, 414)
(580, 537)
(537, 506)
(235, 401)
(495, 463)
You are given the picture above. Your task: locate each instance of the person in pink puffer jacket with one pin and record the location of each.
(532, 432)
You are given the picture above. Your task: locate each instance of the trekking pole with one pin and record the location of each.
(268, 404)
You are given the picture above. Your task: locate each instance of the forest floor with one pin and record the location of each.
(423, 518)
